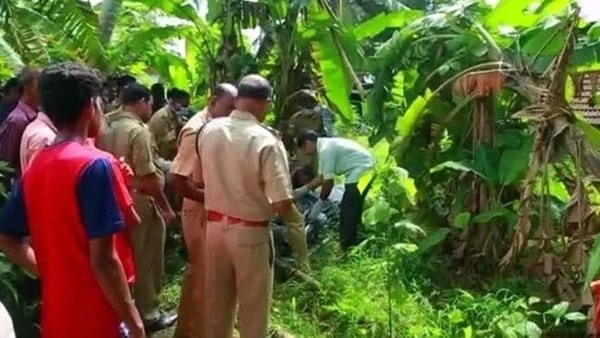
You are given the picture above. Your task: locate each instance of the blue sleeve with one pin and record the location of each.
(13, 219)
(99, 210)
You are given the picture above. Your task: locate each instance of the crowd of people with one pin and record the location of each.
(101, 168)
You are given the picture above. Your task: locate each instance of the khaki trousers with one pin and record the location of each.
(239, 269)
(191, 322)
(148, 240)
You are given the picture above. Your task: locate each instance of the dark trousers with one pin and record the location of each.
(351, 209)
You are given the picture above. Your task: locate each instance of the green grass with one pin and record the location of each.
(354, 300)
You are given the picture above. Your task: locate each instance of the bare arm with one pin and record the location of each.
(282, 208)
(102, 219)
(187, 168)
(152, 185)
(186, 188)
(147, 172)
(131, 217)
(110, 276)
(278, 188)
(326, 188)
(19, 252)
(14, 230)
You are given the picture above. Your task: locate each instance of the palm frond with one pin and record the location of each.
(79, 25)
(27, 40)
(10, 56)
(108, 18)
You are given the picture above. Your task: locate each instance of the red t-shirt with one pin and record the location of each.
(71, 194)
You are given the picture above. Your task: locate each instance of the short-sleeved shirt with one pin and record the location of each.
(73, 302)
(164, 126)
(128, 137)
(244, 167)
(340, 156)
(38, 135)
(186, 162)
(11, 132)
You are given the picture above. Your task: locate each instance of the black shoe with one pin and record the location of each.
(164, 321)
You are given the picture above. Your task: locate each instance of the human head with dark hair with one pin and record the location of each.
(158, 96)
(29, 83)
(110, 89)
(254, 96)
(125, 80)
(178, 99)
(222, 100)
(302, 175)
(11, 91)
(307, 142)
(137, 99)
(122, 82)
(70, 96)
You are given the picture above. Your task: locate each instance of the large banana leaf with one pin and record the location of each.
(336, 81)
(177, 8)
(523, 13)
(336, 70)
(382, 21)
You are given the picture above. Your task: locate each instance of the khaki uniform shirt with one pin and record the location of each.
(128, 137)
(244, 167)
(186, 162)
(164, 126)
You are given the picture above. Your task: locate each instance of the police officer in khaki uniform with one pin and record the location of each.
(128, 137)
(246, 180)
(186, 177)
(165, 124)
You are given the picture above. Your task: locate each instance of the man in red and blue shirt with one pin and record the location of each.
(73, 204)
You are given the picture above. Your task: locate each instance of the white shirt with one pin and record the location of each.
(6, 325)
(340, 156)
(336, 194)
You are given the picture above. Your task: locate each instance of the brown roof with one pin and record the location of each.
(586, 85)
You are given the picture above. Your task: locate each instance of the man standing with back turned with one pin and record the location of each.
(246, 179)
(192, 319)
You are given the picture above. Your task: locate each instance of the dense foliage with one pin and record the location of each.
(432, 87)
